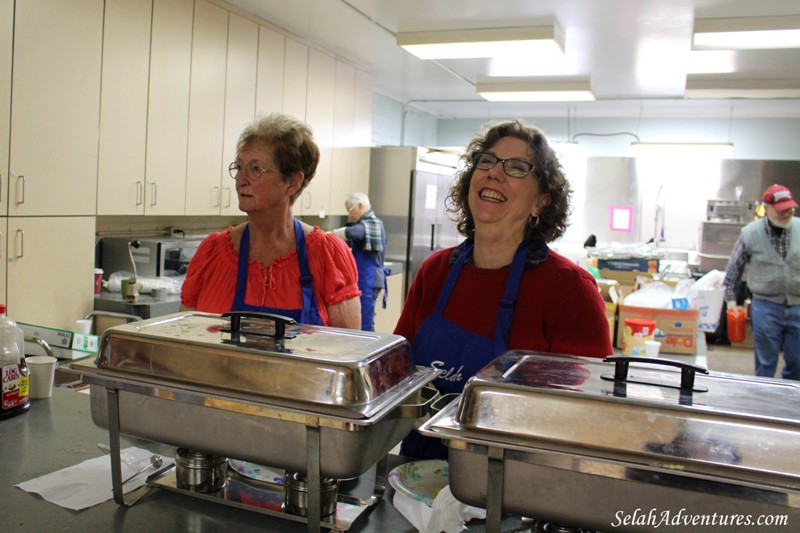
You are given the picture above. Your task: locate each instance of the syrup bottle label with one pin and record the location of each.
(13, 385)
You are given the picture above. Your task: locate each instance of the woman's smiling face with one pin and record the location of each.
(497, 198)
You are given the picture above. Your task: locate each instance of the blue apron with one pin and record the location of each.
(309, 314)
(366, 263)
(457, 353)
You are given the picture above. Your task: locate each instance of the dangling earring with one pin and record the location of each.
(533, 221)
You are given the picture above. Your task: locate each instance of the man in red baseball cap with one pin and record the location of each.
(770, 248)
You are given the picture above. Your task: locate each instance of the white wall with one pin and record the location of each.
(752, 138)
(396, 125)
(681, 184)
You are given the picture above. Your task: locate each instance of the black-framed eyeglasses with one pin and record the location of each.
(253, 170)
(516, 168)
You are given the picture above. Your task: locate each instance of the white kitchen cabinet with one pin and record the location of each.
(207, 110)
(359, 161)
(6, 43)
(315, 200)
(240, 100)
(295, 79)
(386, 319)
(55, 107)
(123, 108)
(50, 269)
(343, 130)
(270, 75)
(3, 257)
(362, 132)
(168, 108)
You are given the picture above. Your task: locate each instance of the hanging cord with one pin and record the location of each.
(605, 135)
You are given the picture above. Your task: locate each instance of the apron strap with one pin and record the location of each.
(310, 310)
(309, 314)
(505, 313)
(452, 279)
(241, 270)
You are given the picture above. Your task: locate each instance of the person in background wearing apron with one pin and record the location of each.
(366, 237)
(274, 263)
(502, 288)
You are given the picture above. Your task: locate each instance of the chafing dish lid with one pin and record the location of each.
(532, 399)
(320, 365)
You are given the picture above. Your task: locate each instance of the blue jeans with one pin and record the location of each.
(776, 327)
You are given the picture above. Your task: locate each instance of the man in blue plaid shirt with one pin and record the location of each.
(770, 249)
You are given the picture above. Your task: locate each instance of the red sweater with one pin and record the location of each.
(558, 310)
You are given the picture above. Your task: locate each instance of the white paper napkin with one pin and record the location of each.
(89, 483)
(447, 514)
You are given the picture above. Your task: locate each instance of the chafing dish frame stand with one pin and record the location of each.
(313, 518)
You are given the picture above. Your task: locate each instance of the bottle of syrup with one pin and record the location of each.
(13, 370)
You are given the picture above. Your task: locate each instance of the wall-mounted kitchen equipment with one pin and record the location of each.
(576, 441)
(719, 232)
(154, 257)
(326, 403)
(734, 211)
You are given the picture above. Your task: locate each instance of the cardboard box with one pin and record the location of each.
(64, 343)
(629, 264)
(676, 329)
(611, 316)
(624, 277)
(609, 290)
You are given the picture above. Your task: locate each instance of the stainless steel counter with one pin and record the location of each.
(58, 432)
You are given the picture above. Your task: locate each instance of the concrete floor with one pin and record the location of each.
(734, 360)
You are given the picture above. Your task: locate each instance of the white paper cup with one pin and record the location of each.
(651, 348)
(84, 326)
(43, 371)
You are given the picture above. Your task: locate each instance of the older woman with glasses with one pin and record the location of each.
(502, 288)
(273, 262)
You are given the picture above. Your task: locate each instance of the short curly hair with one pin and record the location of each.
(291, 142)
(549, 174)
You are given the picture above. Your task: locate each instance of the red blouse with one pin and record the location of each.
(211, 278)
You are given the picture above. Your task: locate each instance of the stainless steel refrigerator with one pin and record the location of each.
(407, 188)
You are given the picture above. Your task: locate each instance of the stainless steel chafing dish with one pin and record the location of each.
(582, 442)
(322, 402)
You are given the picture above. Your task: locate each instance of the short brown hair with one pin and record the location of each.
(291, 142)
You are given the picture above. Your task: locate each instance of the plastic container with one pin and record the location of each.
(736, 324)
(98, 281)
(15, 375)
(637, 331)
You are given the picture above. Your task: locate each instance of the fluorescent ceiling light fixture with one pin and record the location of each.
(725, 89)
(756, 33)
(539, 91)
(717, 150)
(487, 42)
(513, 67)
(711, 62)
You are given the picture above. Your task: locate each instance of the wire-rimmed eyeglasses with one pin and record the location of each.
(516, 168)
(253, 170)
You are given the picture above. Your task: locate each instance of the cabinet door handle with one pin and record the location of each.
(19, 239)
(228, 200)
(216, 197)
(153, 194)
(1, 190)
(20, 187)
(308, 197)
(139, 193)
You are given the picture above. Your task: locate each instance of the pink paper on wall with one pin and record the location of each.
(621, 218)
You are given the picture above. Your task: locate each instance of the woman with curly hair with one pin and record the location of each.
(502, 288)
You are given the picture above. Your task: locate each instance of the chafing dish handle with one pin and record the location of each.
(688, 371)
(280, 322)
